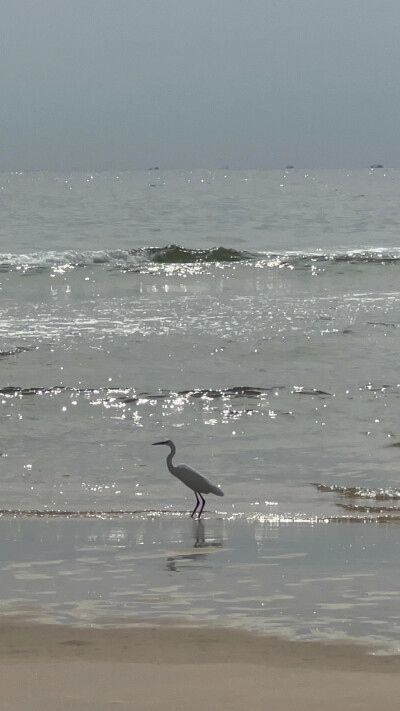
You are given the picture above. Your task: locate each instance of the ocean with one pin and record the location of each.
(252, 317)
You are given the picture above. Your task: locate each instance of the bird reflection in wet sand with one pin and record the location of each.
(188, 476)
(200, 541)
(199, 535)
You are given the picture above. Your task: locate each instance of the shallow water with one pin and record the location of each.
(253, 317)
(323, 582)
(265, 380)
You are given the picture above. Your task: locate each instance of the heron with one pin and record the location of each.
(188, 476)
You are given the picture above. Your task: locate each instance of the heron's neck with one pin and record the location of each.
(169, 459)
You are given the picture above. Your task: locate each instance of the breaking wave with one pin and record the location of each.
(152, 258)
(359, 492)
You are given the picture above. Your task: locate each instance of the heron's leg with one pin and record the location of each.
(197, 505)
(204, 503)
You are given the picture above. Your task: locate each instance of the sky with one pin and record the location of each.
(253, 84)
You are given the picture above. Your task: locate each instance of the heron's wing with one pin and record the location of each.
(195, 481)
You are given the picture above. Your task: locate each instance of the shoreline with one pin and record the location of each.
(165, 641)
(175, 667)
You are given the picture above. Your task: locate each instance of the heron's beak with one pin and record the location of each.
(158, 443)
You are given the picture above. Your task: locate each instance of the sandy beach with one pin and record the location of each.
(159, 666)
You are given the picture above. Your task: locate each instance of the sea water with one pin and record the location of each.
(253, 318)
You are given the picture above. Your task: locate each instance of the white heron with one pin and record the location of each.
(188, 476)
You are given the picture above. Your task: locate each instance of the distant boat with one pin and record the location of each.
(289, 167)
(376, 165)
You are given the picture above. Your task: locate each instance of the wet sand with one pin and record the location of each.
(176, 667)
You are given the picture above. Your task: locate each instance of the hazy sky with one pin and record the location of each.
(120, 84)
